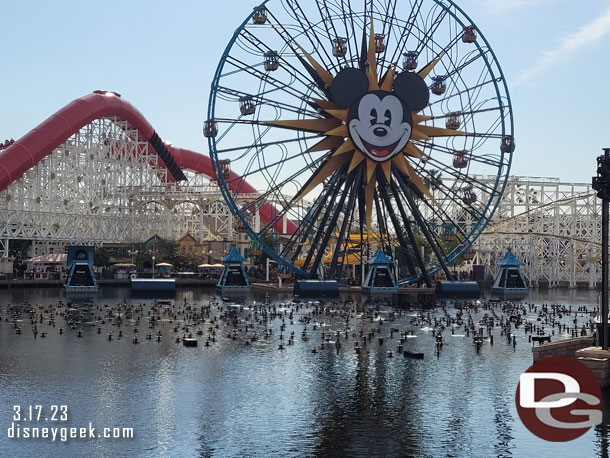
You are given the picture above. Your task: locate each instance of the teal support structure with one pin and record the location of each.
(234, 278)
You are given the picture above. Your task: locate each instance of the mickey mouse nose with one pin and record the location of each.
(380, 131)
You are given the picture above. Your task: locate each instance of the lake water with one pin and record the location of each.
(242, 400)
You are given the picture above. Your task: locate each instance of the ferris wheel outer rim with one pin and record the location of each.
(481, 222)
(213, 155)
(479, 228)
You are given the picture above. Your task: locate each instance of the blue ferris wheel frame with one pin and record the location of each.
(499, 187)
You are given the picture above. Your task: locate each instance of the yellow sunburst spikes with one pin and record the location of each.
(387, 169)
(326, 105)
(345, 147)
(414, 151)
(417, 181)
(326, 144)
(371, 166)
(324, 172)
(387, 82)
(420, 118)
(339, 114)
(340, 131)
(308, 125)
(357, 158)
(371, 71)
(417, 135)
(401, 163)
(324, 74)
(428, 68)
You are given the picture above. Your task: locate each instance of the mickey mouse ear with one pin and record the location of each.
(348, 86)
(412, 89)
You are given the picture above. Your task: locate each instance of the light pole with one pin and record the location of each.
(601, 183)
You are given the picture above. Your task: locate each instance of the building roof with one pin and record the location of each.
(50, 258)
(509, 260)
(380, 258)
(233, 256)
(188, 236)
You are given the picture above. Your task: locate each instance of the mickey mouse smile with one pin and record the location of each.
(380, 125)
(379, 122)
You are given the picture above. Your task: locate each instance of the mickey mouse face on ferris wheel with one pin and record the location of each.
(379, 122)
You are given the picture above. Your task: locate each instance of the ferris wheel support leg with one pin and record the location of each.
(330, 230)
(397, 228)
(320, 230)
(302, 234)
(424, 228)
(344, 227)
(418, 254)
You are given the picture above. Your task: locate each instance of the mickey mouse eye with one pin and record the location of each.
(373, 117)
(388, 118)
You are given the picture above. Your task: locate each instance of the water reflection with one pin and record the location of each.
(233, 400)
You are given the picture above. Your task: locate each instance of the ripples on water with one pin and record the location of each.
(233, 400)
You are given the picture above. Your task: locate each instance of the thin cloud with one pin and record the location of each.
(504, 6)
(587, 35)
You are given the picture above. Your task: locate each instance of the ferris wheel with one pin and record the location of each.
(386, 125)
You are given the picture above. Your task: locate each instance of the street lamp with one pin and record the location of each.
(601, 184)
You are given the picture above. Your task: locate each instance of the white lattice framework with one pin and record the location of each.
(103, 185)
(553, 227)
(106, 186)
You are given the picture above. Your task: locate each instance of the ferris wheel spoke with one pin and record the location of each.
(423, 226)
(259, 144)
(401, 207)
(456, 70)
(275, 189)
(353, 55)
(428, 35)
(398, 228)
(287, 88)
(413, 241)
(460, 176)
(305, 29)
(347, 219)
(328, 20)
(435, 208)
(260, 99)
(287, 206)
(464, 92)
(380, 221)
(264, 48)
(406, 30)
(307, 224)
(425, 71)
(449, 195)
(387, 21)
(331, 209)
(273, 164)
(353, 180)
(471, 157)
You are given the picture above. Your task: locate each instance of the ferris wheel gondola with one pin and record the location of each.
(366, 128)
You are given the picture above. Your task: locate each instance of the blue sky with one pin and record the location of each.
(161, 56)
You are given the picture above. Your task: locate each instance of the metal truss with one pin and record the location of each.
(553, 227)
(104, 185)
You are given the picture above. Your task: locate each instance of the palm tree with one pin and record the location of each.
(433, 180)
